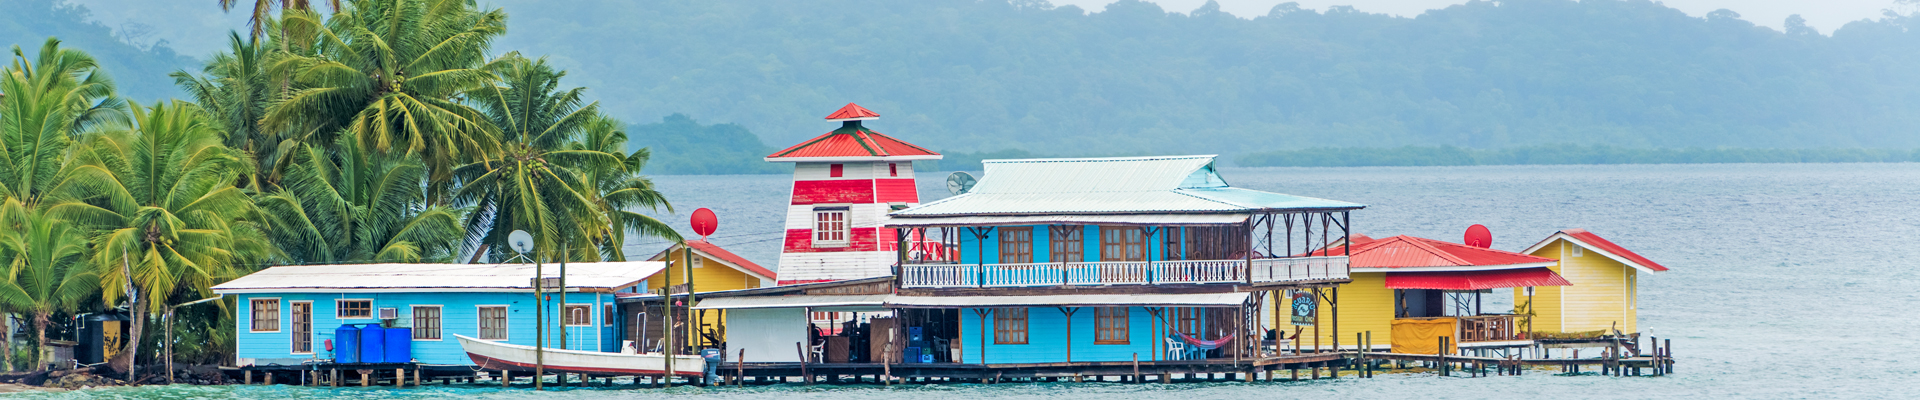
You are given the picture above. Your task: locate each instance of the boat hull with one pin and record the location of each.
(511, 357)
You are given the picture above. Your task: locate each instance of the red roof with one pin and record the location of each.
(852, 111)
(855, 141)
(1602, 244)
(1476, 280)
(1413, 252)
(715, 252)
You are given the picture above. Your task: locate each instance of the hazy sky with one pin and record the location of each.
(197, 27)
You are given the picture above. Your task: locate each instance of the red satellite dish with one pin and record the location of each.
(704, 222)
(1479, 236)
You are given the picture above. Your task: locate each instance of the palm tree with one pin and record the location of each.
(263, 10)
(45, 104)
(390, 72)
(38, 251)
(347, 205)
(169, 222)
(235, 90)
(620, 191)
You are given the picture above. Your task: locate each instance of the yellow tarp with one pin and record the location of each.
(1421, 335)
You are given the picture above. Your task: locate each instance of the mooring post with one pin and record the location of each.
(333, 377)
(506, 377)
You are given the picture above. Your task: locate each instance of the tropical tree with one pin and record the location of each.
(389, 71)
(235, 91)
(40, 253)
(168, 221)
(620, 191)
(263, 10)
(349, 205)
(45, 104)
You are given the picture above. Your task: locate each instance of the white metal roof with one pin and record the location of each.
(593, 276)
(791, 301)
(1089, 300)
(1115, 185)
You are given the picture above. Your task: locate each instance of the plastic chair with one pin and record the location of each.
(1176, 349)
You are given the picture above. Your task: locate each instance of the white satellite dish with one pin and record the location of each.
(960, 183)
(520, 241)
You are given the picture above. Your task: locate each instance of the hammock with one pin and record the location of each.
(1204, 344)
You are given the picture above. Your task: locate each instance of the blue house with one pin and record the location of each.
(1056, 263)
(288, 315)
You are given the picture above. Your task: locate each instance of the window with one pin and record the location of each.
(1187, 320)
(699, 262)
(1066, 243)
(493, 323)
(893, 170)
(1110, 325)
(266, 315)
(1578, 251)
(426, 322)
(1170, 243)
(1122, 243)
(302, 326)
(830, 227)
(579, 315)
(606, 317)
(1016, 245)
(1010, 326)
(836, 170)
(353, 308)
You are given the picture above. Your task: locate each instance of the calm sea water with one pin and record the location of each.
(1788, 280)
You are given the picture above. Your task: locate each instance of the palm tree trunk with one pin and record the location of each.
(6, 341)
(123, 362)
(40, 341)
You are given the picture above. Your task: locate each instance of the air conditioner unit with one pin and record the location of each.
(389, 313)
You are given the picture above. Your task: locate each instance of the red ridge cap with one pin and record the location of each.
(852, 111)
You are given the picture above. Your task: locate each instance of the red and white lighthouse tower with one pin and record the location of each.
(844, 183)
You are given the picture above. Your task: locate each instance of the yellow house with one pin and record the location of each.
(1605, 281)
(714, 269)
(1408, 291)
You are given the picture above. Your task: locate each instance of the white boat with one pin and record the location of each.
(498, 356)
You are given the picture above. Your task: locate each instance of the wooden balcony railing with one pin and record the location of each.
(1266, 270)
(1488, 328)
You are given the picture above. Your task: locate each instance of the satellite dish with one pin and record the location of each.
(520, 241)
(704, 222)
(1479, 236)
(960, 183)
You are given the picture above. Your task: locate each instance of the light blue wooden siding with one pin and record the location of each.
(459, 315)
(1047, 338)
(972, 252)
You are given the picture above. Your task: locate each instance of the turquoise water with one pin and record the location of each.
(1788, 281)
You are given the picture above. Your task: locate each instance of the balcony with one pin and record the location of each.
(1264, 270)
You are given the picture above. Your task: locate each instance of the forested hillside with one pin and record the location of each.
(989, 75)
(139, 73)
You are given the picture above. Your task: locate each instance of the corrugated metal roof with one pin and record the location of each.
(1416, 252)
(713, 251)
(1154, 220)
(852, 112)
(1116, 185)
(1598, 243)
(1476, 280)
(595, 276)
(852, 142)
(1091, 300)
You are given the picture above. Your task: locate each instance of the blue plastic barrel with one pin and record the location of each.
(373, 343)
(399, 345)
(346, 344)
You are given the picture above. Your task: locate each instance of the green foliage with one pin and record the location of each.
(683, 146)
(973, 75)
(1408, 156)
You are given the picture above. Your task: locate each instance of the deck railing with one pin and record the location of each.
(1266, 270)
(1488, 328)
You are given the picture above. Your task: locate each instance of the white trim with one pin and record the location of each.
(853, 119)
(310, 326)
(370, 310)
(1602, 252)
(1457, 268)
(477, 319)
(276, 314)
(571, 289)
(851, 158)
(415, 328)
